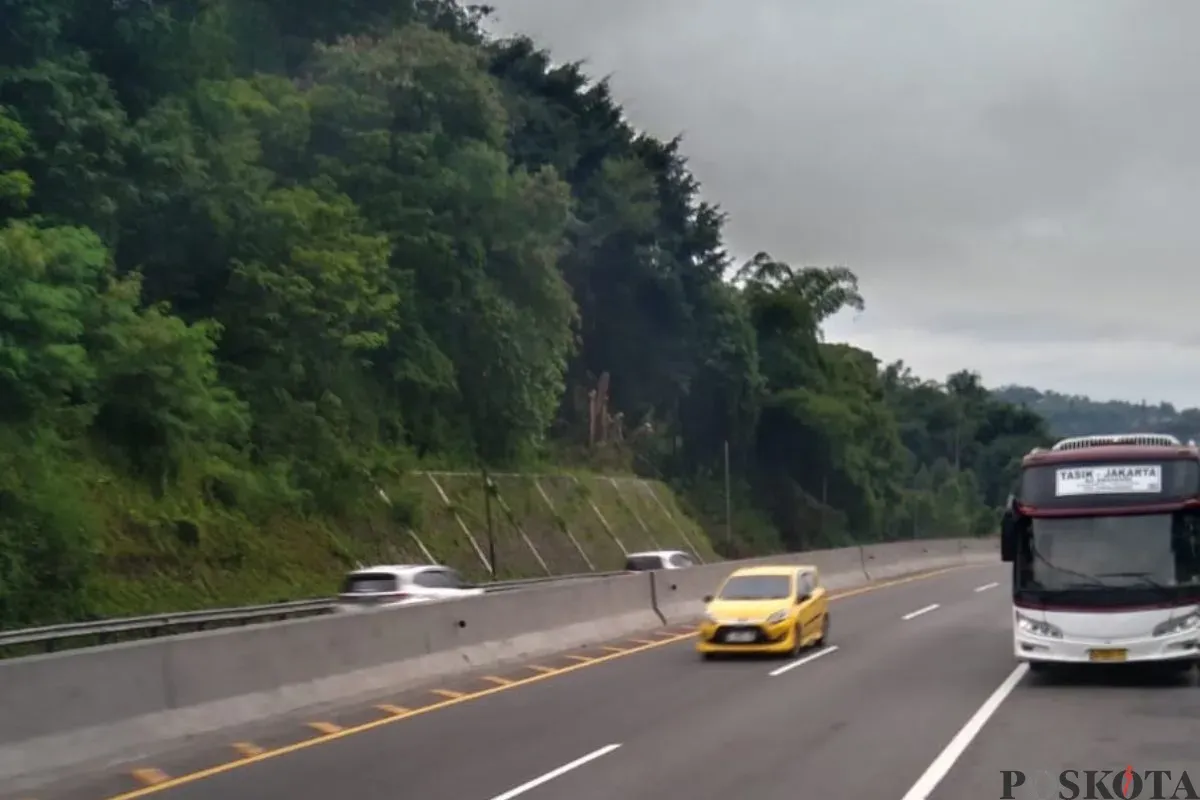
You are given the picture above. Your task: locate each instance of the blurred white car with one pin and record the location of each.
(401, 585)
(658, 559)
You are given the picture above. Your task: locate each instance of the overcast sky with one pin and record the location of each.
(1015, 182)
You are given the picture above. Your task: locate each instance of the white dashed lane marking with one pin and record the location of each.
(942, 764)
(802, 661)
(556, 773)
(920, 611)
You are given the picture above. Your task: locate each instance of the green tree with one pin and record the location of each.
(413, 129)
(259, 258)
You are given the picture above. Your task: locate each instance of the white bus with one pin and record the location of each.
(1104, 538)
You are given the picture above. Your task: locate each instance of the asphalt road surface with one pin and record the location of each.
(918, 695)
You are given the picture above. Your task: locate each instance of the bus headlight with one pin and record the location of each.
(1037, 627)
(1188, 622)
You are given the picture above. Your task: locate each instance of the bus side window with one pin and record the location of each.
(1187, 546)
(1024, 563)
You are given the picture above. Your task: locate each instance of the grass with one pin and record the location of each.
(550, 524)
(168, 554)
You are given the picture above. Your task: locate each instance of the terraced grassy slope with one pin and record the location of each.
(162, 556)
(547, 524)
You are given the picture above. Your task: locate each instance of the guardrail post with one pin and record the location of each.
(488, 486)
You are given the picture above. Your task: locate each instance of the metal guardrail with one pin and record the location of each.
(47, 638)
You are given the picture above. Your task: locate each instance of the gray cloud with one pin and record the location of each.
(1017, 184)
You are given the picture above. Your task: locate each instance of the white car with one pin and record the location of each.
(401, 585)
(658, 559)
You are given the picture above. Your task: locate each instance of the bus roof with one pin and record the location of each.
(1115, 452)
(1100, 439)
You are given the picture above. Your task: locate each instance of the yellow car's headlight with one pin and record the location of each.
(709, 617)
(778, 617)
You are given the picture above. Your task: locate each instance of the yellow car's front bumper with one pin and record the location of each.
(777, 638)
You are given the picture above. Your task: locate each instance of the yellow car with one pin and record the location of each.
(766, 610)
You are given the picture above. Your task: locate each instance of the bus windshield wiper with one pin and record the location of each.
(1142, 576)
(1092, 581)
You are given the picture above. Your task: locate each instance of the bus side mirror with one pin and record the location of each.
(1008, 537)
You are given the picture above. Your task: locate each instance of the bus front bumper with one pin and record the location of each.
(1184, 646)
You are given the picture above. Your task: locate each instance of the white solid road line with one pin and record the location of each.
(986, 586)
(555, 773)
(799, 662)
(945, 761)
(920, 611)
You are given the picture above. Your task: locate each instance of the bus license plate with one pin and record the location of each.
(740, 636)
(1107, 655)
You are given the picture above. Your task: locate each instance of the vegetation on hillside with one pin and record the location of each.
(1076, 415)
(259, 260)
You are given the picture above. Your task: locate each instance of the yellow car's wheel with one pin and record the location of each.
(824, 640)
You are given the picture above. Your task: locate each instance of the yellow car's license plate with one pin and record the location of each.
(1108, 655)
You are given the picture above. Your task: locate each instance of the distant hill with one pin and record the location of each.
(1076, 415)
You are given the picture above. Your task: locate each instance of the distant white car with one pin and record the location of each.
(658, 559)
(401, 585)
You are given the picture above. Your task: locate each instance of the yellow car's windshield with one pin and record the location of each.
(757, 587)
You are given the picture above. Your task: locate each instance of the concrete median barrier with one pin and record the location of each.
(983, 549)
(108, 702)
(680, 593)
(121, 701)
(892, 559)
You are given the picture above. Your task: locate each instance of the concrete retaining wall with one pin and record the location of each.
(120, 700)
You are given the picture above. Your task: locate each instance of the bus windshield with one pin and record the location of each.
(1142, 550)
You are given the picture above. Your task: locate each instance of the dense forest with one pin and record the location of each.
(257, 259)
(1075, 415)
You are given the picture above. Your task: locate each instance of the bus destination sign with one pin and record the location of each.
(1112, 479)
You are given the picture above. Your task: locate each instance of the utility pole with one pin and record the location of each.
(728, 503)
(487, 508)
(957, 438)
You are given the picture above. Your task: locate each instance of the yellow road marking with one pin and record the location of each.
(149, 776)
(897, 582)
(613, 649)
(583, 659)
(543, 670)
(247, 749)
(449, 694)
(395, 710)
(327, 728)
(496, 679)
(220, 769)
